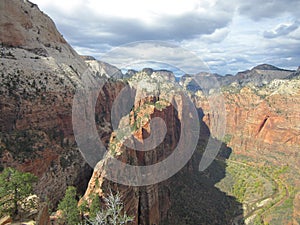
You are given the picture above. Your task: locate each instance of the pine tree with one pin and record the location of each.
(83, 208)
(95, 206)
(15, 186)
(68, 205)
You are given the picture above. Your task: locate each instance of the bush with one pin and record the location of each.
(112, 214)
(68, 206)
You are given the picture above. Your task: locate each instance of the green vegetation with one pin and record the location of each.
(159, 105)
(112, 212)
(162, 104)
(15, 186)
(95, 206)
(233, 89)
(246, 183)
(22, 144)
(112, 148)
(83, 207)
(267, 191)
(68, 206)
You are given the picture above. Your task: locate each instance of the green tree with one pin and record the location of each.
(83, 208)
(95, 206)
(15, 186)
(68, 206)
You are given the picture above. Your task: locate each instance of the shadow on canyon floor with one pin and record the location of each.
(194, 198)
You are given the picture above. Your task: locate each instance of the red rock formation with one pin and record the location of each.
(149, 204)
(262, 124)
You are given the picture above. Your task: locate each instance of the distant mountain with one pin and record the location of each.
(258, 76)
(267, 67)
(130, 73)
(103, 68)
(201, 81)
(295, 74)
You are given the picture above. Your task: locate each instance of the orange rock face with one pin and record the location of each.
(262, 124)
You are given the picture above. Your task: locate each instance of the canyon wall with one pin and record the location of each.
(39, 75)
(262, 123)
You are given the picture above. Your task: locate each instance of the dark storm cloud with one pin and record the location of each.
(257, 9)
(281, 30)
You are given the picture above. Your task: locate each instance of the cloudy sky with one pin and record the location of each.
(227, 35)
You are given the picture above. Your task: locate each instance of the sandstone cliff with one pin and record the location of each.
(39, 74)
(262, 122)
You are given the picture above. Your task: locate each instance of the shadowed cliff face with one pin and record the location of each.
(193, 195)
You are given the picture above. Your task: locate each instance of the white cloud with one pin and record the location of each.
(281, 29)
(146, 10)
(217, 36)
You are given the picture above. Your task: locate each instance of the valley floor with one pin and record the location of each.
(268, 193)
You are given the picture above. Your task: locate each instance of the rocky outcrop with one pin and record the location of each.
(39, 73)
(104, 69)
(24, 25)
(87, 57)
(149, 204)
